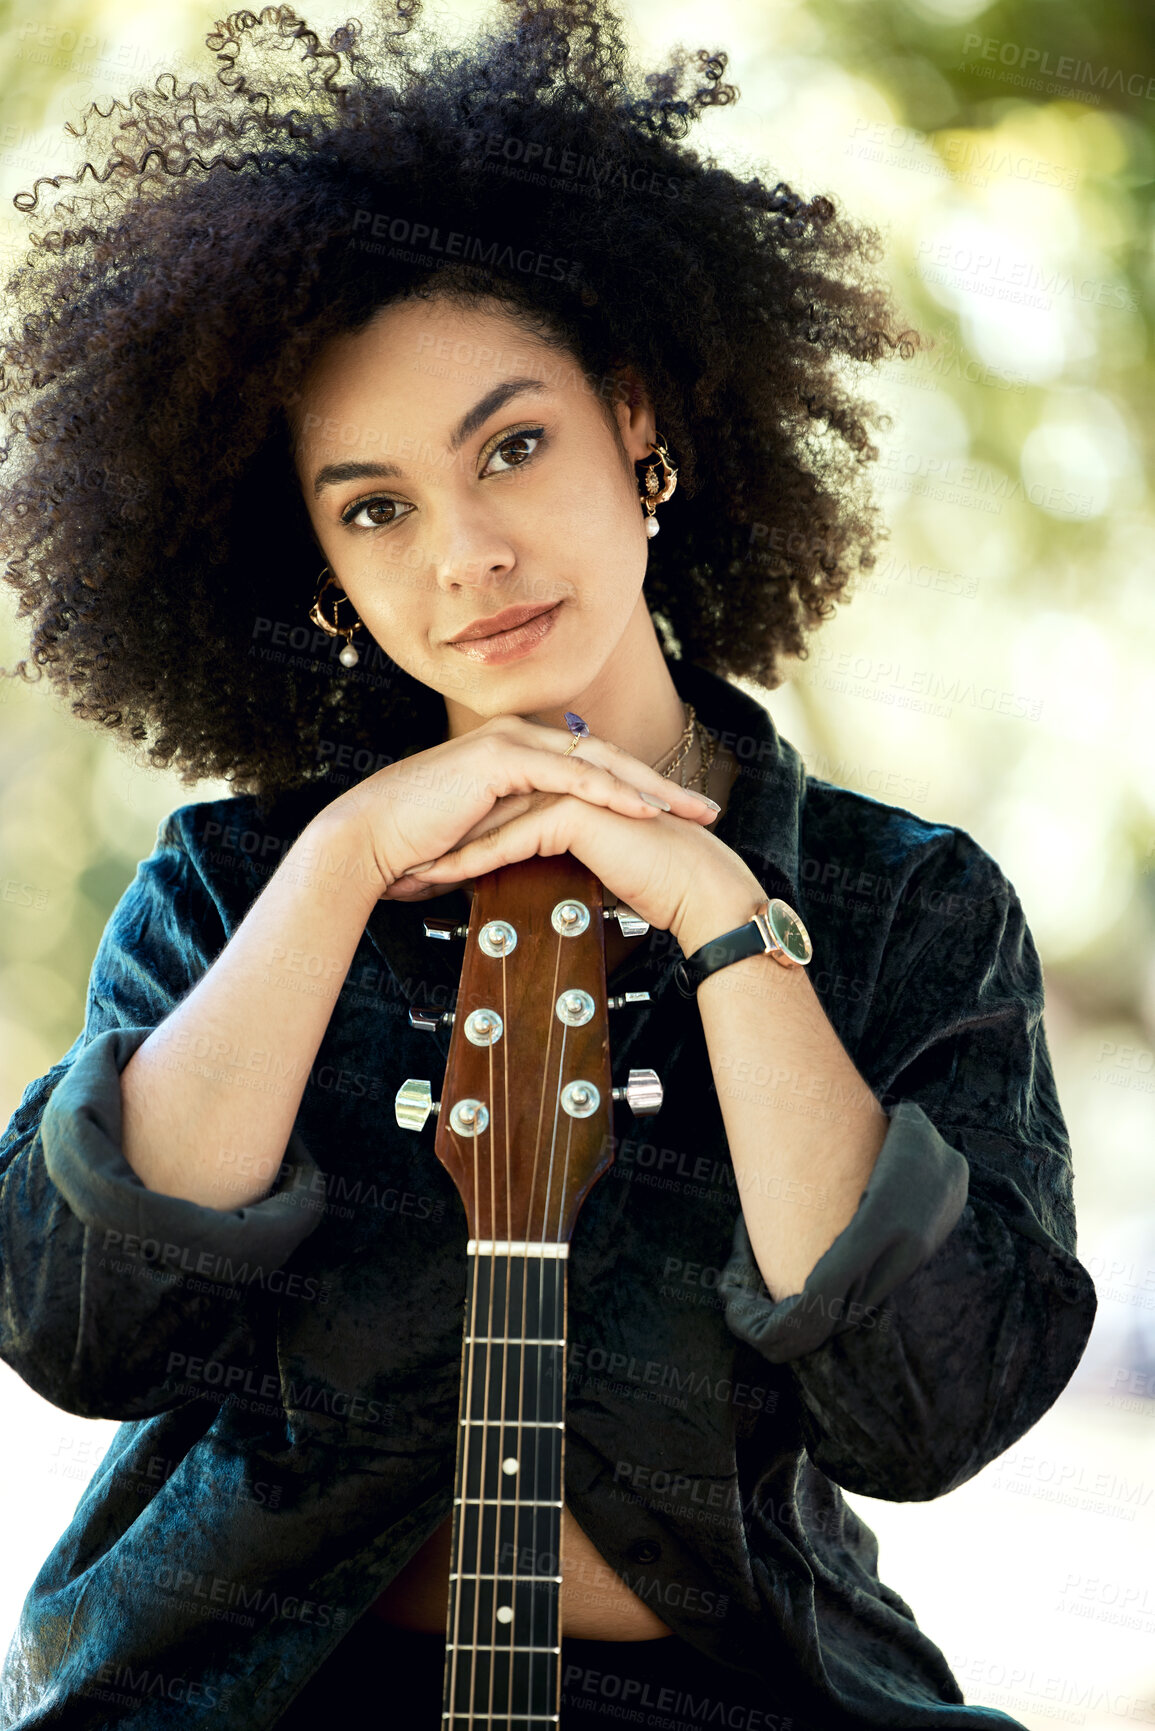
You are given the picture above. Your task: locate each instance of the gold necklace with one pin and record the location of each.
(692, 733)
(708, 748)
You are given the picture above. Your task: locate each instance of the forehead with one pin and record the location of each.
(415, 370)
(400, 337)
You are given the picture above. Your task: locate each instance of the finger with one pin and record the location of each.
(411, 887)
(522, 838)
(625, 770)
(524, 769)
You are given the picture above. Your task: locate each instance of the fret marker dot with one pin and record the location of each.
(504, 1614)
(510, 1465)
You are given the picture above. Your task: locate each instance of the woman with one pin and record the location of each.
(454, 330)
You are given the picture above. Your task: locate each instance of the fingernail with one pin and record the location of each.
(706, 800)
(658, 804)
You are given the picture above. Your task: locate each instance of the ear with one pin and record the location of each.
(634, 413)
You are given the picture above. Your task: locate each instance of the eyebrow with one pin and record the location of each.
(333, 474)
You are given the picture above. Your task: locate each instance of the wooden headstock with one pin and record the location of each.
(525, 1119)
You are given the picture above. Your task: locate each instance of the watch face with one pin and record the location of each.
(788, 930)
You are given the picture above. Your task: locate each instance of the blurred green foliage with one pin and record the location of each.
(995, 669)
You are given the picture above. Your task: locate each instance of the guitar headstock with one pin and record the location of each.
(525, 1122)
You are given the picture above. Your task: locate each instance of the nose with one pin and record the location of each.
(475, 553)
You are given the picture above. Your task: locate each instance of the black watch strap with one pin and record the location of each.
(745, 940)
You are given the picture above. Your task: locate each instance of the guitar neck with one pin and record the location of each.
(524, 1129)
(503, 1641)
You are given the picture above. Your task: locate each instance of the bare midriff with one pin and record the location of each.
(596, 1604)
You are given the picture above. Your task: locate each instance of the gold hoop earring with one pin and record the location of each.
(657, 492)
(348, 656)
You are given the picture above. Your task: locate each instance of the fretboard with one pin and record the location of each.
(502, 1648)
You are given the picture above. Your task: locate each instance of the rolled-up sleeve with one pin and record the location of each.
(951, 1311)
(104, 1282)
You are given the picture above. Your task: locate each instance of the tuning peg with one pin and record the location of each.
(642, 1093)
(428, 1020)
(414, 1103)
(630, 924)
(444, 929)
(622, 998)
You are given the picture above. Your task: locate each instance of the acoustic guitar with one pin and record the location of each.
(524, 1127)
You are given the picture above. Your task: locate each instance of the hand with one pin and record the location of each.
(426, 807)
(668, 868)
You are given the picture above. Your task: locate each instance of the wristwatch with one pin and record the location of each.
(774, 930)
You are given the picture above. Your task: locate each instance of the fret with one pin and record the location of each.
(525, 1680)
(516, 1424)
(513, 1340)
(514, 1535)
(508, 1721)
(515, 1247)
(507, 1576)
(494, 1647)
(522, 1502)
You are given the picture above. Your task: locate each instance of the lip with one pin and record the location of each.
(530, 626)
(495, 623)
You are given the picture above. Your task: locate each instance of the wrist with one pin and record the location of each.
(332, 857)
(717, 909)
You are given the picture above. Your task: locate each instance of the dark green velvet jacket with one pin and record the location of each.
(287, 1373)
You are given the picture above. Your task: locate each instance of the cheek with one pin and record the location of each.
(391, 587)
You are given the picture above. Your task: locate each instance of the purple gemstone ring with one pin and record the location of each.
(578, 728)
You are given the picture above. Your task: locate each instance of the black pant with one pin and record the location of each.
(606, 1685)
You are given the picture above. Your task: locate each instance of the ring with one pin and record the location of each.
(578, 728)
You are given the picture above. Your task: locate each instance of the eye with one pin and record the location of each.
(513, 449)
(375, 510)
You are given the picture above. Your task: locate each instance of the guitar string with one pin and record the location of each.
(559, 1323)
(485, 1388)
(469, 1393)
(469, 1381)
(453, 1633)
(542, 1329)
(499, 1517)
(486, 1400)
(499, 1501)
(519, 1428)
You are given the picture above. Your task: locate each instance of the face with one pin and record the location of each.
(455, 468)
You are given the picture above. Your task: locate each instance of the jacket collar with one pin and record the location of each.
(763, 815)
